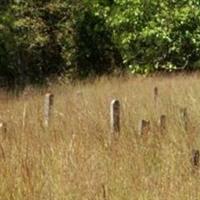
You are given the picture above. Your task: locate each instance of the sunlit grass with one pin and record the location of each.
(72, 159)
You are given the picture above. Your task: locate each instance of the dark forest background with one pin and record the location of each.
(44, 39)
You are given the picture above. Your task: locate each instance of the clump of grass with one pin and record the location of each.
(72, 159)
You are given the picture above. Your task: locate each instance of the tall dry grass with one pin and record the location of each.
(72, 159)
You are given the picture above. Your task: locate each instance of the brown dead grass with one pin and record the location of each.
(72, 159)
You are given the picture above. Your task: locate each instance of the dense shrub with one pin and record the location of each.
(155, 35)
(95, 52)
(40, 39)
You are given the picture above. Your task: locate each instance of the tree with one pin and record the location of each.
(51, 37)
(154, 35)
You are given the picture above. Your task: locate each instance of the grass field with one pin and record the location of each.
(73, 160)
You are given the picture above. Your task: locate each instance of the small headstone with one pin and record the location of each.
(144, 127)
(3, 127)
(156, 96)
(48, 107)
(115, 118)
(195, 158)
(162, 124)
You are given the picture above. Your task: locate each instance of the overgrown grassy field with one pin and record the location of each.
(72, 159)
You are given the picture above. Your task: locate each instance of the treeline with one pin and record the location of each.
(81, 38)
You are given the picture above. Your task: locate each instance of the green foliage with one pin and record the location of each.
(41, 39)
(47, 38)
(155, 35)
(36, 30)
(95, 52)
